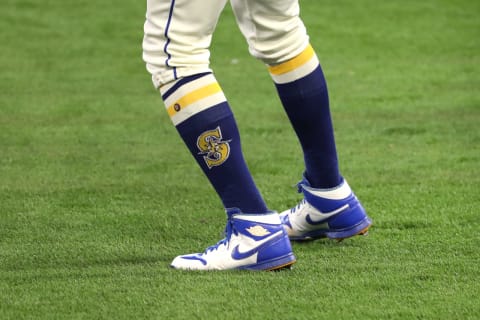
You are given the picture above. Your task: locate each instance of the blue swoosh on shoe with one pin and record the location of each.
(325, 216)
(237, 255)
(203, 261)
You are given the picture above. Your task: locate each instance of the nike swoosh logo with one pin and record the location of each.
(196, 257)
(325, 216)
(237, 255)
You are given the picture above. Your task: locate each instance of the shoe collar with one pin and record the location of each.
(305, 185)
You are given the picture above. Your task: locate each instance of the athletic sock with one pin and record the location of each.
(303, 91)
(200, 112)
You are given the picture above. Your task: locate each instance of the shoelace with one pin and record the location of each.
(300, 190)
(228, 233)
(297, 207)
(299, 185)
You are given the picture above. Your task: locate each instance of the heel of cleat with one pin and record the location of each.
(286, 266)
(363, 232)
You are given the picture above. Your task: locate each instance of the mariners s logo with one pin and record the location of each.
(214, 149)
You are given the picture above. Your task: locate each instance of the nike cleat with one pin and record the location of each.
(252, 242)
(325, 213)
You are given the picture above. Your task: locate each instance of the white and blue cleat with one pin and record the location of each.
(252, 242)
(325, 213)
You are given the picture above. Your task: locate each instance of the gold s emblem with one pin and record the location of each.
(215, 151)
(258, 231)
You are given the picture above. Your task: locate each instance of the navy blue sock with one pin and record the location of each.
(305, 99)
(208, 128)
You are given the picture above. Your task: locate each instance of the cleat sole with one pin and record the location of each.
(363, 232)
(286, 266)
(337, 235)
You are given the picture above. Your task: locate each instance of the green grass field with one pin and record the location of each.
(98, 193)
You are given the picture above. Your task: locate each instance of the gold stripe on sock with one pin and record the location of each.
(192, 97)
(294, 63)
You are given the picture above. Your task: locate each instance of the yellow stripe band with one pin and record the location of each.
(294, 63)
(193, 97)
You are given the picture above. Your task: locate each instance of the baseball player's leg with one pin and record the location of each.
(177, 36)
(276, 35)
(176, 50)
